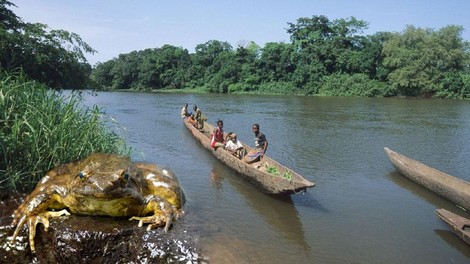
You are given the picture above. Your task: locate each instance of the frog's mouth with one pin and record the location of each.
(110, 206)
(112, 191)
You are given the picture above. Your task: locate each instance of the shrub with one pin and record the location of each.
(278, 88)
(454, 85)
(340, 84)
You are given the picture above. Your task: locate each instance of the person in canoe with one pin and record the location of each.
(234, 146)
(199, 117)
(261, 145)
(184, 111)
(217, 137)
(192, 120)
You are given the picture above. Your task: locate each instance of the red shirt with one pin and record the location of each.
(219, 135)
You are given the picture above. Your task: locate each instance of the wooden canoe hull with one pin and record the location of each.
(441, 183)
(460, 225)
(254, 173)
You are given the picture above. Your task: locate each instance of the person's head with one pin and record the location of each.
(195, 107)
(255, 128)
(220, 123)
(233, 137)
(185, 105)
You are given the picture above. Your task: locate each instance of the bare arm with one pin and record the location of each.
(265, 146)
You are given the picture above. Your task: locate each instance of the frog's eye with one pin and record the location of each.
(125, 176)
(82, 175)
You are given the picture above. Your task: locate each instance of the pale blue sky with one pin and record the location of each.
(121, 26)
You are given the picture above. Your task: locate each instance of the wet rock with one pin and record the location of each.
(89, 239)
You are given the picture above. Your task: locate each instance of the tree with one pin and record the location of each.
(247, 56)
(53, 57)
(372, 56)
(323, 47)
(173, 63)
(203, 66)
(102, 73)
(418, 59)
(224, 71)
(126, 71)
(275, 62)
(8, 19)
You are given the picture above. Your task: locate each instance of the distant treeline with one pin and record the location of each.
(324, 57)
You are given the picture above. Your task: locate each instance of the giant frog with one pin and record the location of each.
(106, 185)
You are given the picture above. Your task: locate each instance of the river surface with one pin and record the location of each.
(361, 210)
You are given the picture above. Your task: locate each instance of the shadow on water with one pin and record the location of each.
(439, 202)
(308, 200)
(419, 190)
(454, 241)
(278, 211)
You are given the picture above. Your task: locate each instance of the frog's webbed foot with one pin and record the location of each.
(163, 215)
(33, 221)
(154, 221)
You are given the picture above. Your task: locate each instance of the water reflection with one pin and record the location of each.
(437, 202)
(307, 200)
(420, 191)
(454, 241)
(216, 180)
(278, 211)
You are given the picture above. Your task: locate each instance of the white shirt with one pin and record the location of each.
(230, 145)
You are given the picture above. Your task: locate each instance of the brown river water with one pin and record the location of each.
(361, 210)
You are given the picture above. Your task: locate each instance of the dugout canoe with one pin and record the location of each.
(284, 181)
(450, 187)
(459, 224)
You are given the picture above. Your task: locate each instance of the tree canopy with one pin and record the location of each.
(323, 57)
(53, 57)
(419, 59)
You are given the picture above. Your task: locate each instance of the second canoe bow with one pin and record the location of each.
(448, 186)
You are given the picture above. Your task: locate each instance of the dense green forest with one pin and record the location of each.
(324, 57)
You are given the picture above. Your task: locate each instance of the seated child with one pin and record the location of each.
(234, 146)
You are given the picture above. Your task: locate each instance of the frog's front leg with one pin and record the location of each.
(34, 211)
(33, 221)
(162, 213)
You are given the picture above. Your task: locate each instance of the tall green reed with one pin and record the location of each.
(40, 129)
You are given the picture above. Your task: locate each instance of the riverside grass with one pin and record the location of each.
(40, 129)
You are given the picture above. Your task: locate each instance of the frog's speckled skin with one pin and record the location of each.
(103, 184)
